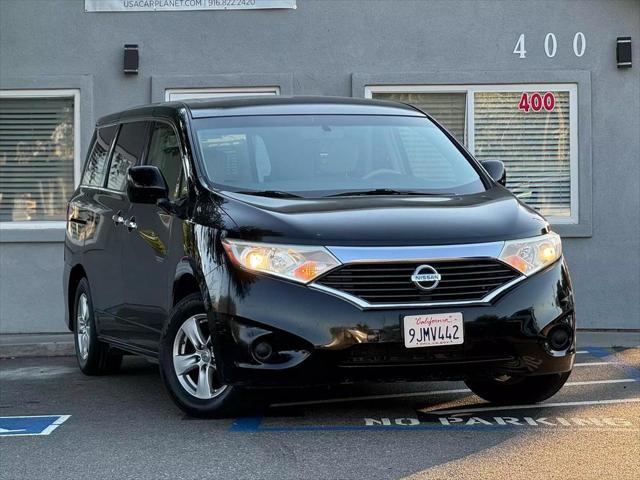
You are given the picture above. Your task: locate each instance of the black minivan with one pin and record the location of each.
(262, 242)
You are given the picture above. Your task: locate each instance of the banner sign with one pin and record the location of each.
(183, 5)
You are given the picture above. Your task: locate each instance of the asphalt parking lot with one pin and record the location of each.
(125, 426)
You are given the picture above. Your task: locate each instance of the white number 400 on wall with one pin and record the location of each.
(551, 45)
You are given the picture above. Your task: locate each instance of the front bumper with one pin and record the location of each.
(323, 339)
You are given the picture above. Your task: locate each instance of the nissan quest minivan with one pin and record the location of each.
(262, 242)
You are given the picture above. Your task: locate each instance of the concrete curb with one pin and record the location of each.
(61, 344)
(604, 339)
(36, 345)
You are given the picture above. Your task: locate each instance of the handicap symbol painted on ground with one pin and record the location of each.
(30, 425)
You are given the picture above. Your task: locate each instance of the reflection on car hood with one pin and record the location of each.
(493, 215)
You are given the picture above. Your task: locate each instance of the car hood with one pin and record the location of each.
(493, 215)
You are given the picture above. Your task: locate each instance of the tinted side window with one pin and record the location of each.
(164, 153)
(126, 153)
(97, 162)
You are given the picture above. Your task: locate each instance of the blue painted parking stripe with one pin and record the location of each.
(606, 356)
(246, 424)
(253, 425)
(18, 426)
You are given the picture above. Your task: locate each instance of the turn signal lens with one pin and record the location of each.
(517, 262)
(530, 255)
(298, 263)
(307, 271)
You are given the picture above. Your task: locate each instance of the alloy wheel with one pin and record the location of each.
(193, 360)
(83, 326)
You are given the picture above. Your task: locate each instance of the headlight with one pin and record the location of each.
(298, 263)
(532, 254)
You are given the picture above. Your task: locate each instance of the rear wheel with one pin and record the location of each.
(517, 390)
(189, 367)
(94, 357)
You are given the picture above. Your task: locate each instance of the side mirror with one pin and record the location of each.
(496, 170)
(146, 184)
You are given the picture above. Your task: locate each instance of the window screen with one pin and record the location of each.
(126, 153)
(95, 170)
(534, 147)
(534, 144)
(449, 109)
(36, 158)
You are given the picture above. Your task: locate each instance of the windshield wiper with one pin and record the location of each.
(270, 193)
(383, 191)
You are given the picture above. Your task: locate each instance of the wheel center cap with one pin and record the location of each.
(205, 355)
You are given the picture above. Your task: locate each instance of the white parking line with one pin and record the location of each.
(424, 394)
(582, 351)
(592, 364)
(596, 382)
(534, 405)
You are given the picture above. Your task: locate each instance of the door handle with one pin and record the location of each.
(118, 218)
(131, 224)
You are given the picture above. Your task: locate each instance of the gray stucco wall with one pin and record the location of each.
(330, 47)
(31, 288)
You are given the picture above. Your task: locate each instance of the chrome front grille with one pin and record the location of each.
(464, 280)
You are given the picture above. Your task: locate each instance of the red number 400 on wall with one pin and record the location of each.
(537, 101)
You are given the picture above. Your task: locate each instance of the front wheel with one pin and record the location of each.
(517, 390)
(189, 368)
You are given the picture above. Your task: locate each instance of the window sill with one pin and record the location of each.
(572, 230)
(32, 232)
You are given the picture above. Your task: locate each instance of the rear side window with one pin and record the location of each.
(126, 153)
(164, 153)
(96, 167)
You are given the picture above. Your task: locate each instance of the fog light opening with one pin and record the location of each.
(560, 337)
(263, 351)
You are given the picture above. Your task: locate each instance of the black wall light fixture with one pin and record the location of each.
(131, 59)
(623, 52)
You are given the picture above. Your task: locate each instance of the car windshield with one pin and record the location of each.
(314, 156)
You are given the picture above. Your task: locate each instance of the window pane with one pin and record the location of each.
(127, 152)
(534, 147)
(447, 108)
(36, 158)
(439, 168)
(319, 155)
(97, 162)
(164, 153)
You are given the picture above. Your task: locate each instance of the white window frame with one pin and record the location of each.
(222, 92)
(470, 90)
(77, 158)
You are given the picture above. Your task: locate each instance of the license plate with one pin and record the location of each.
(433, 330)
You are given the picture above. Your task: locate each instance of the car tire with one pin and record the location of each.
(94, 357)
(518, 390)
(188, 366)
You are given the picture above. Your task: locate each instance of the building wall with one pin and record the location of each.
(31, 288)
(334, 47)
